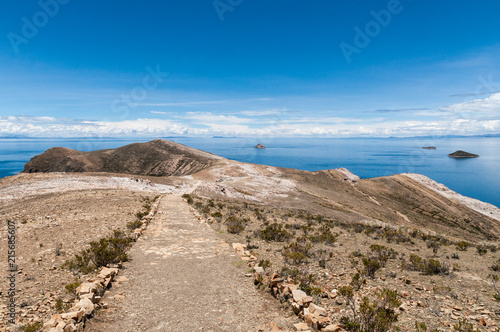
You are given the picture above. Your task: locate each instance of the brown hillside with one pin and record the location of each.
(156, 158)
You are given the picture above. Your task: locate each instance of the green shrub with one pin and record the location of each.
(465, 326)
(372, 316)
(61, 307)
(434, 245)
(296, 253)
(371, 265)
(481, 249)
(307, 284)
(235, 225)
(421, 327)
(275, 232)
(392, 235)
(188, 199)
(71, 288)
(134, 224)
(496, 266)
(357, 282)
(383, 253)
(462, 245)
(324, 235)
(264, 263)
(429, 267)
(217, 214)
(109, 250)
(290, 272)
(32, 327)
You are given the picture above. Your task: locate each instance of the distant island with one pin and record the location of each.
(462, 154)
(429, 147)
(259, 146)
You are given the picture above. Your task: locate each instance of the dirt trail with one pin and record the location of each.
(182, 277)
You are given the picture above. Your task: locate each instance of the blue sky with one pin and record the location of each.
(241, 67)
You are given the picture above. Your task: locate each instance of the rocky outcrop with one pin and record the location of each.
(462, 154)
(157, 158)
(260, 146)
(429, 147)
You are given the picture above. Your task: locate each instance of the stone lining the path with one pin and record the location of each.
(89, 294)
(314, 316)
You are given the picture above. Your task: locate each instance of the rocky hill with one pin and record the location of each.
(155, 158)
(329, 231)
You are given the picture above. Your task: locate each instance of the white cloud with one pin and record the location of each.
(478, 107)
(265, 112)
(452, 122)
(211, 119)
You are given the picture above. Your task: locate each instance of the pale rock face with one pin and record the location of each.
(296, 307)
(86, 288)
(86, 305)
(258, 269)
(301, 327)
(75, 315)
(108, 272)
(298, 295)
(333, 328)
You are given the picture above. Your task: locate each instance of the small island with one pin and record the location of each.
(259, 146)
(462, 154)
(429, 147)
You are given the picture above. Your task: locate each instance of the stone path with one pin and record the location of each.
(182, 277)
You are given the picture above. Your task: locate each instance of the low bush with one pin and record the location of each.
(109, 250)
(296, 253)
(188, 199)
(396, 236)
(465, 326)
(426, 266)
(357, 282)
(434, 245)
(265, 263)
(421, 327)
(235, 225)
(61, 307)
(462, 245)
(372, 316)
(32, 327)
(482, 250)
(132, 225)
(324, 235)
(275, 232)
(71, 288)
(496, 266)
(290, 272)
(217, 214)
(371, 266)
(383, 254)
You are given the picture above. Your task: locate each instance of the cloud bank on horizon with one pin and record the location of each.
(475, 117)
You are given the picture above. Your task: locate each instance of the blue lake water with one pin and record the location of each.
(367, 157)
